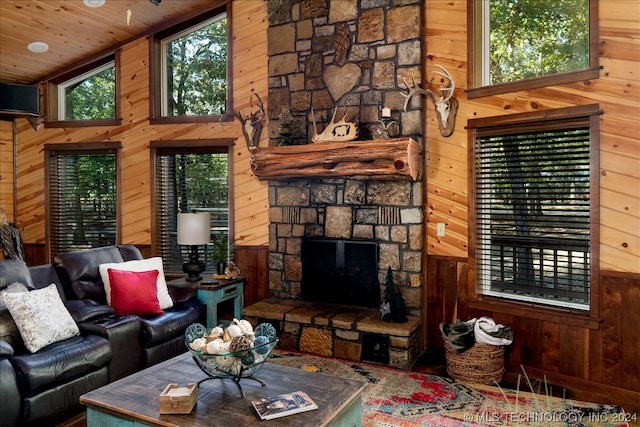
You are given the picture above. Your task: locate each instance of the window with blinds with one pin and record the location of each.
(81, 199)
(191, 180)
(532, 212)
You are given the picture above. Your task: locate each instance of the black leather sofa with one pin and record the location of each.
(44, 387)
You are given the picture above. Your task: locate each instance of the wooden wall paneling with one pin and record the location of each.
(35, 254)
(433, 297)
(463, 286)
(631, 333)
(6, 170)
(551, 341)
(251, 77)
(449, 278)
(612, 324)
(253, 262)
(574, 357)
(530, 337)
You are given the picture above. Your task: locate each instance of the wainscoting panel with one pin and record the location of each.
(574, 351)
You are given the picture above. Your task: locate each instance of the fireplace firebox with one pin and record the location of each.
(340, 271)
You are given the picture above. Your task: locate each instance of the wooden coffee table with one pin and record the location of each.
(135, 400)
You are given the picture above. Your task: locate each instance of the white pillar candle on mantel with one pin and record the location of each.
(386, 112)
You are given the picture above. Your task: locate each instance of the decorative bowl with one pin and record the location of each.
(234, 364)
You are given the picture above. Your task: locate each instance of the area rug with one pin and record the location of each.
(396, 398)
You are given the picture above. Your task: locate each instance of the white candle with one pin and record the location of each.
(386, 112)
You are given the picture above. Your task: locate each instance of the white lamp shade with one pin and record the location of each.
(194, 228)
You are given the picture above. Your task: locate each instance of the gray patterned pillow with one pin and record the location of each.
(41, 317)
(8, 329)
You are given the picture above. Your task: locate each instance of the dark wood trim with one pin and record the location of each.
(535, 83)
(567, 113)
(619, 274)
(82, 123)
(535, 311)
(82, 146)
(190, 119)
(180, 144)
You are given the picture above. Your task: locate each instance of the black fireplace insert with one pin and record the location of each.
(340, 271)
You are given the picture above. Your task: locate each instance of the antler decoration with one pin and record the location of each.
(335, 131)
(252, 125)
(446, 105)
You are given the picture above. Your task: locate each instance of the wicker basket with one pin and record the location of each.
(481, 364)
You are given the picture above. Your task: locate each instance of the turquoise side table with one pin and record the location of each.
(212, 292)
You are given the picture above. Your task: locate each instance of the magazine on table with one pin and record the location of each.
(282, 405)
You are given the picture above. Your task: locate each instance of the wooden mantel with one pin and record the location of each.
(382, 159)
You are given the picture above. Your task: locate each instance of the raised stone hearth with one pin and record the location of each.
(345, 332)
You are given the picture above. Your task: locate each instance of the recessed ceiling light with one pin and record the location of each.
(94, 3)
(38, 47)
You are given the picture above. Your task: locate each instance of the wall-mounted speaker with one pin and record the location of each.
(19, 100)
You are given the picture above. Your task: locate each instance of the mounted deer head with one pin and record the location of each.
(446, 105)
(252, 125)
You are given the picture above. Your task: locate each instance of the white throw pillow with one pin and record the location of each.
(137, 266)
(41, 317)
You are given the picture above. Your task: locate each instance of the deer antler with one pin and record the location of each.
(414, 89)
(446, 105)
(252, 125)
(447, 91)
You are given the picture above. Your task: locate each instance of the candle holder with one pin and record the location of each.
(388, 127)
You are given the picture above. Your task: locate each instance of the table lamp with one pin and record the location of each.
(194, 229)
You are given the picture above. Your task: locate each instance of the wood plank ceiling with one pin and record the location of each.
(74, 31)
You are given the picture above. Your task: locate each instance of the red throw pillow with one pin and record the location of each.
(134, 292)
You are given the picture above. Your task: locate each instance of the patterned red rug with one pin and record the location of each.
(395, 398)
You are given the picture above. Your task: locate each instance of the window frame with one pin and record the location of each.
(205, 146)
(52, 94)
(157, 81)
(88, 148)
(525, 122)
(474, 58)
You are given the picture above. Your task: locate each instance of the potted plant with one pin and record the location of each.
(221, 252)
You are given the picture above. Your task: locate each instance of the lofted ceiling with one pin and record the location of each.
(75, 31)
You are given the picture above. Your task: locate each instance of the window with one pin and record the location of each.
(89, 96)
(190, 179)
(531, 40)
(534, 186)
(81, 196)
(192, 68)
(86, 96)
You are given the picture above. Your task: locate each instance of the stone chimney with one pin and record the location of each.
(351, 55)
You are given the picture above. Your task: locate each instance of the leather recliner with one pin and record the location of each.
(162, 336)
(41, 387)
(44, 387)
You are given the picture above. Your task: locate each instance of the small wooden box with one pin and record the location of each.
(176, 399)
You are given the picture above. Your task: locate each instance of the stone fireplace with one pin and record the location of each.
(386, 214)
(351, 55)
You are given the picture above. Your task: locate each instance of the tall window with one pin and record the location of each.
(533, 187)
(193, 69)
(81, 197)
(516, 40)
(190, 179)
